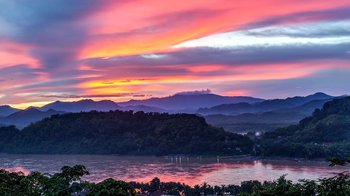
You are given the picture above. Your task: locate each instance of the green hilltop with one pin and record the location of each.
(326, 133)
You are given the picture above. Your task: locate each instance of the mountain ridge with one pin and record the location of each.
(83, 105)
(185, 102)
(326, 133)
(24, 117)
(190, 101)
(264, 106)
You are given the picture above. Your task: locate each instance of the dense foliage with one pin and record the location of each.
(69, 182)
(120, 132)
(6, 135)
(325, 134)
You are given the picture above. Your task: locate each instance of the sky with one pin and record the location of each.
(136, 49)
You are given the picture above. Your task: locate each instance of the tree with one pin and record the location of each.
(111, 187)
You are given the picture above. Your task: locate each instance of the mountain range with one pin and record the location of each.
(23, 118)
(82, 105)
(6, 110)
(326, 133)
(263, 116)
(189, 103)
(317, 99)
(222, 111)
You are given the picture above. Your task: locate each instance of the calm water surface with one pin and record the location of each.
(189, 170)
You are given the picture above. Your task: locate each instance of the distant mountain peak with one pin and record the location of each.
(81, 105)
(24, 117)
(31, 108)
(51, 110)
(320, 95)
(189, 102)
(6, 110)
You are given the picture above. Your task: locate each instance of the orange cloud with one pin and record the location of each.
(137, 27)
(13, 54)
(160, 85)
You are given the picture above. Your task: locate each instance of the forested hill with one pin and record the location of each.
(326, 133)
(120, 132)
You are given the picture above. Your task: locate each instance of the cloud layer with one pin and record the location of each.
(121, 50)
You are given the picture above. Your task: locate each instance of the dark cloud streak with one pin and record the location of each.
(49, 27)
(234, 56)
(340, 13)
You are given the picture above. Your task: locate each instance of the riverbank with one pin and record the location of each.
(70, 181)
(189, 170)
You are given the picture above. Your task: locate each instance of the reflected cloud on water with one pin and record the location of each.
(189, 170)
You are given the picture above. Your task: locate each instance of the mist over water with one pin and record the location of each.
(189, 170)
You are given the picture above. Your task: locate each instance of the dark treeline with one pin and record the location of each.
(325, 134)
(123, 132)
(69, 182)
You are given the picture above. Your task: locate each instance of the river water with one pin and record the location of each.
(189, 170)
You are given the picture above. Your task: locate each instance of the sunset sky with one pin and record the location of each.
(135, 49)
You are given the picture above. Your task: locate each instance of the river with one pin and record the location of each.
(189, 170)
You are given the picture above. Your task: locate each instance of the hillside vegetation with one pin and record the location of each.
(120, 132)
(326, 133)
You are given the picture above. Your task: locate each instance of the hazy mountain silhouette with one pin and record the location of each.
(85, 105)
(264, 116)
(248, 122)
(144, 108)
(223, 111)
(23, 118)
(6, 110)
(275, 104)
(190, 101)
(308, 103)
(324, 134)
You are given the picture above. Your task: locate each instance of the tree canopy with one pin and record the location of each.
(325, 134)
(69, 182)
(123, 132)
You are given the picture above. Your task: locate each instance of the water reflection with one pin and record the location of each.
(189, 170)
